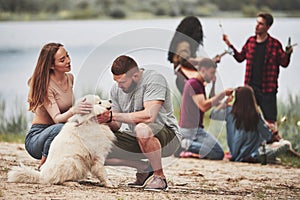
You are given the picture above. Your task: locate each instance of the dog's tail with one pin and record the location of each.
(23, 174)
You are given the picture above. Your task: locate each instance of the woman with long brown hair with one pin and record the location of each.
(50, 99)
(246, 129)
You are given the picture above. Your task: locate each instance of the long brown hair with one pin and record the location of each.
(245, 110)
(39, 81)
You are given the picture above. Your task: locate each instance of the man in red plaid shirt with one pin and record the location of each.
(263, 55)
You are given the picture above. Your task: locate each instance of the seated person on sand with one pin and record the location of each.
(193, 106)
(245, 127)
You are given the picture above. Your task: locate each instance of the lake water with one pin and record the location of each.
(93, 45)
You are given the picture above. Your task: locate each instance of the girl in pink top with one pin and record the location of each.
(50, 99)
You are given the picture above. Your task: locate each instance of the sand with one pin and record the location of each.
(188, 178)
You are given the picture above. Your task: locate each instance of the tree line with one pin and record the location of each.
(88, 9)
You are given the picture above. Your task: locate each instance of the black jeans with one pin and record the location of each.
(267, 103)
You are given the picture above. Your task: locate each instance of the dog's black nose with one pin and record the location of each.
(108, 108)
(99, 102)
(110, 101)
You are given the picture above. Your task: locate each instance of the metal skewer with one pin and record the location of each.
(221, 27)
(229, 50)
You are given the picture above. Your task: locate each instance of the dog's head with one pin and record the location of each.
(99, 107)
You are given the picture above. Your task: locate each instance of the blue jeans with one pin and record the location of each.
(197, 140)
(39, 138)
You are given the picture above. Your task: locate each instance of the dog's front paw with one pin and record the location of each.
(108, 184)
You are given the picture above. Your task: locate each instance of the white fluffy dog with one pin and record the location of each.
(81, 147)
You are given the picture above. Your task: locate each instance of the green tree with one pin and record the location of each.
(19, 6)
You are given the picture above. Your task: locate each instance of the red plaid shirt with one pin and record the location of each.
(274, 57)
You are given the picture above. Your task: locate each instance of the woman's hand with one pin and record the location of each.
(229, 99)
(82, 107)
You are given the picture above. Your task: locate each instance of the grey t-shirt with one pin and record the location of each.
(152, 86)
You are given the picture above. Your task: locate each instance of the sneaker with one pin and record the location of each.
(157, 184)
(275, 160)
(142, 178)
(187, 154)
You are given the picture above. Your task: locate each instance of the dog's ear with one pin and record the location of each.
(79, 119)
(92, 99)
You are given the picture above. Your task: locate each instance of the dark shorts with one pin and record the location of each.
(268, 104)
(127, 147)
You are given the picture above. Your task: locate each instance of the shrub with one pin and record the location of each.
(15, 122)
(117, 13)
(289, 129)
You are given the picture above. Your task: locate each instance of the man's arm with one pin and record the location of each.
(239, 56)
(206, 104)
(212, 92)
(148, 115)
(284, 56)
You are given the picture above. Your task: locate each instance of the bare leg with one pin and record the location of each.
(151, 148)
(43, 160)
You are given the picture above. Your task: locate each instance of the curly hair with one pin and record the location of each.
(189, 30)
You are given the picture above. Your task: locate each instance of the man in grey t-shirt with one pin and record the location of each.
(141, 99)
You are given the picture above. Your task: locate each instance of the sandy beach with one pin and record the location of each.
(188, 178)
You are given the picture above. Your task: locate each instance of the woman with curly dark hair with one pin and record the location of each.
(184, 45)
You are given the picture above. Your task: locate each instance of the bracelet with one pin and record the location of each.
(110, 118)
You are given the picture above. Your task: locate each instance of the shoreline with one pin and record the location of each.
(28, 17)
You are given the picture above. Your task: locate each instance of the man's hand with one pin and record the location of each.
(217, 58)
(104, 117)
(228, 92)
(226, 40)
(289, 49)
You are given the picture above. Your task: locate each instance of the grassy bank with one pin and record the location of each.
(13, 121)
(27, 10)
